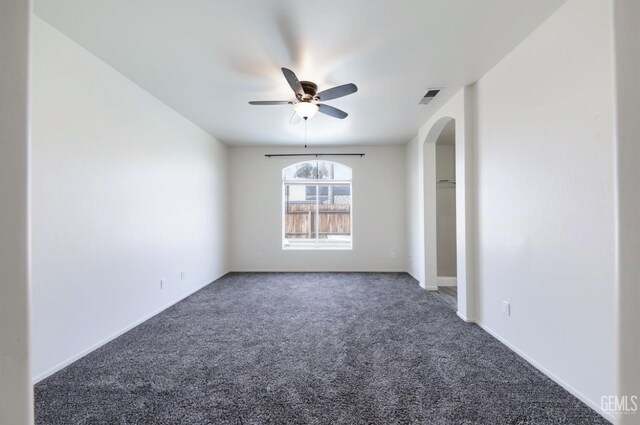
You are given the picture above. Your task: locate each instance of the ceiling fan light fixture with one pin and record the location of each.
(306, 110)
(304, 106)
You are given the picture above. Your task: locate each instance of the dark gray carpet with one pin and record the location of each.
(448, 294)
(306, 348)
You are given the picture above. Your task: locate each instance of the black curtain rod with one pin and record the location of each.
(314, 154)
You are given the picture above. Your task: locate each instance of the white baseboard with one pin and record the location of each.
(431, 288)
(465, 318)
(592, 404)
(447, 281)
(113, 336)
(317, 271)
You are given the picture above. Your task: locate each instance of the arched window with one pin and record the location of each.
(316, 206)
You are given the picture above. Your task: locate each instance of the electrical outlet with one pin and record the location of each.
(506, 308)
(181, 275)
(162, 283)
(393, 254)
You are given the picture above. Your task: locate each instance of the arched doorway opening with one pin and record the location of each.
(446, 264)
(441, 205)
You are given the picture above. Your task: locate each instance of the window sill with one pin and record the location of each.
(314, 245)
(317, 248)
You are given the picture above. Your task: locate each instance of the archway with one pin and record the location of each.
(444, 132)
(446, 264)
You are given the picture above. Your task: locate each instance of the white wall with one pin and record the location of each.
(445, 161)
(545, 188)
(125, 192)
(378, 212)
(446, 209)
(414, 214)
(540, 199)
(627, 40)
(16, 399)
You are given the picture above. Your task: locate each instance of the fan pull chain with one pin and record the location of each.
(305, 132)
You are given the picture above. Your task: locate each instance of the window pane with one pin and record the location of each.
(328, 170)
(334, 217)
(299, 211)
(317, 215)
(301, 171)
(316, 170)
(341, 172)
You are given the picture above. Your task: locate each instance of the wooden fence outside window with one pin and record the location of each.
(300, 220)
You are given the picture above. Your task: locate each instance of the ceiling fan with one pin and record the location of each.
(307, 97)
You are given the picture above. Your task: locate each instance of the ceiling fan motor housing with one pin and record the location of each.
(310, 89)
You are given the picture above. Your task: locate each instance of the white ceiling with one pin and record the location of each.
(207, 58)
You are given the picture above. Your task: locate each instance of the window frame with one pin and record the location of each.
(315, 244)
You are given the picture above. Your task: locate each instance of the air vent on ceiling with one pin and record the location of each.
(429, 96)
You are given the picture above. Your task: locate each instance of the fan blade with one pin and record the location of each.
(270, 102)
(293, 81)
(331, 111)
(338, 91)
